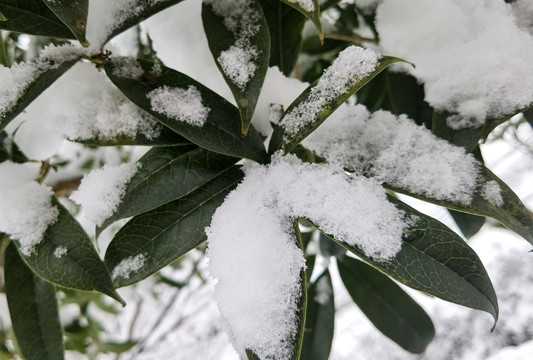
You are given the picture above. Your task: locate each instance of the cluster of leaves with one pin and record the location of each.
(189, 170)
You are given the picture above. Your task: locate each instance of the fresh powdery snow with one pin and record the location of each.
(241, 19)
(473, 56)
(492, 192)
(253, 253)
(307, 5)
(101, 191)
(352, 65)
(180, 104)
(17, 78)
(26, 209)
(127, 266)
(396, 151)
(60, 251)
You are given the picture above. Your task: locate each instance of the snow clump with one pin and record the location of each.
(127, 266)
(396, 151)
(254, 230)
(352, 65)
(26, 210)
(492, 192)
(102, 190)
(307, 5)
(476, 67)
(180, 104)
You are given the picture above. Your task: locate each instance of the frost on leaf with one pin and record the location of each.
(479, 67)
(352, 65)
(396, 151)
(16, 79)
(26, 209)
(60, 251)
(253, 230)
(492, 192)
(127, 266)
(237, 62)
(101, 191)
(181, 104)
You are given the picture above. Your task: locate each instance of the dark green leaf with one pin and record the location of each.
(42, 82)
(73, 13)
(512, 213)
(387, 306)
(222, 131)
(33, 309)
(330, 248)
(149, 8)
(314, 15)
(251, 356)
(4, 58)
(117, 348)
(435, 260)
(285, 25)
(164, 234)
(32, 17)
(220, 39)
(468, 223)
(166, 138)
(320, 321)
(80, 267)
(167, 174)
(288, 142)
(302, 308)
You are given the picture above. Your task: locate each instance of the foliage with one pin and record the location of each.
(189, 170)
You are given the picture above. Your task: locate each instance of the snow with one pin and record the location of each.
(367, 6)
(352, 65)
(127, 266)
(26, 209)
(523, 12)
(396, 151)
(180, 104)
(60, 251)
(17, 78)
(101, 191)
(476, 67)
(242, 21)
(127, 67)
(307, 5)
(253, 230)
(492, 193)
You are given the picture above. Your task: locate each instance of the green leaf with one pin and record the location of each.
(167, 174)
(164, 234)
(285, 25)
(287, 143)
(116, 347)
(149, 8)
(222, 131)
(313, 15)
(320, 321)
(80, 267)
(32, 17)
(220, 39)
(4, 58)
(33, 309)
(512, 213)
(40, 84)
(435, 260)
(387, 306)
(302, 308)
(166, 138)
(73, 13)
(468, 223)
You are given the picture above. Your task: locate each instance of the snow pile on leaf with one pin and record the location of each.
(127, 266)
(101, 191)
(241, 19)
(253, 251)
(352, 65)
(26, 209)
(478, 66)
(307, 5)
(17, 78)
(180, 104)
(396, 151)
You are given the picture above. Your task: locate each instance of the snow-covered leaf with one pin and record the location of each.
(33, 309)
(73, 13)
(239, 40)
(437, 261)
(340, 81)
(32, 17)
(166, 137)
(162, 235)
(67, 257)
(387, 306)
(221, 128)
(320, 321)
(285, 25)
(167, 174)
(311, 10)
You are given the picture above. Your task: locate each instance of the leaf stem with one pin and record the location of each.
(4, 59)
